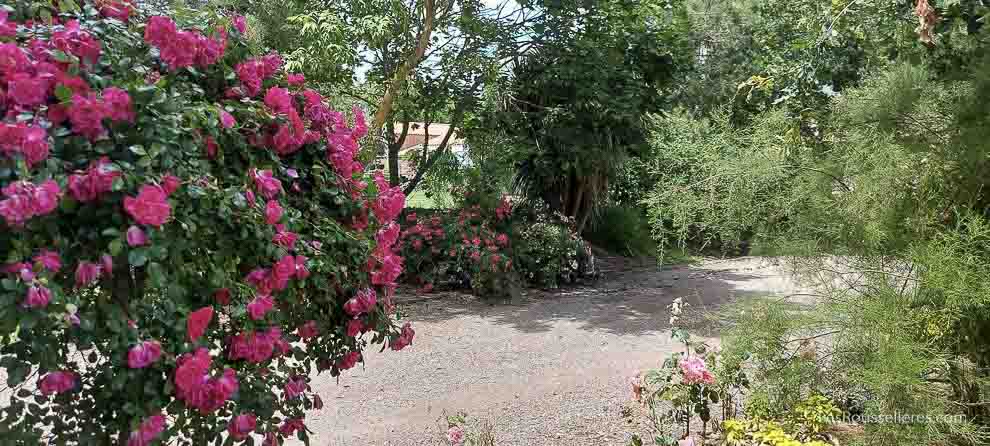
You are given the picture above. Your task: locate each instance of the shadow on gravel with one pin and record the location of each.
(624, 302)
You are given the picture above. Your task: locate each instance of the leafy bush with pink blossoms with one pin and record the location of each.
(186, 233)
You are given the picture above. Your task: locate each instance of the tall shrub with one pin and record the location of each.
(186, 232)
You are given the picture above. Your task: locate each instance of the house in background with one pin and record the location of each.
(416, 135)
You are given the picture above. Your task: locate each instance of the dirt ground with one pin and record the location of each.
(552, 370)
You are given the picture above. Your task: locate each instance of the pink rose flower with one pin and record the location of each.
(222, 296)
(302, 272)
(455, 435)
(279, 100)
(290, 426)
(144, 354)
(405, 338)
(148, 431)
(349, 360)
(295, 79)
(260, 306)
(308, 330)
(266, 183)
(50, 260)
(106, 265)
(240, 23)
(57, 382)
(273, 212)
(136, 236)
(227, 120)
(95, 181)
(37, 297)
(150, 207)
(354, 327)
(120, 10)
(241, 426)
(87, 273)
(695, 371)
(295, 387)
(211, 147)
(197, 322)
(118, 104)
(170, 183)
(27, 200)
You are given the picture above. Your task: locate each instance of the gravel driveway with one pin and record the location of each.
(552, 370)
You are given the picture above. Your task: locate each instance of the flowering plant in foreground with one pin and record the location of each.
(187, 234)
(684, 389)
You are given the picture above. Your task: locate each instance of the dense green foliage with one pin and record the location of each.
(864, 155)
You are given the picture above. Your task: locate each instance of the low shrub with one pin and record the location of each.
(492, 248)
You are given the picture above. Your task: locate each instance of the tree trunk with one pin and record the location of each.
(385, 106)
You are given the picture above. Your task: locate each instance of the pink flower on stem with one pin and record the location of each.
(144, 354)
(94, 182)
(148, 431)
(455, 435)
(87, 273)
(404, 339)
(37, 297)
(308, 330)
(150, 207)
(170, 183)
(240, 23)
(302, 272)
(136, 236)
(27, 200)
(260, 306)
(695, 371)
(290, 426)
(106, 265)
(118, 104)
(227, 120)
(197, 321)
(349, 360)
(295, 387)
(354, 327)
(363, 302)
(57, 382)
(50, 260)
(295, 79)
(273, 212)
(266, 183)
(222, 296)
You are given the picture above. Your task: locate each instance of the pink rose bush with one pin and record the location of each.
(188, 231)
(484, 246)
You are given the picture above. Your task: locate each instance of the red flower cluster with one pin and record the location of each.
(57, 382)
(94, 182)
(363, 302)
(349, 360)
(150, 207)
(26, 200)
(295, 387)
(144, 354)
(242, 425)
(405, 338)
(72, 40)
(29, 141)
(258, 346)
(196, 388)
(253, 72)
(182, 49)
(148, 431)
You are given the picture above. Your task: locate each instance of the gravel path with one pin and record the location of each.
(552, 370)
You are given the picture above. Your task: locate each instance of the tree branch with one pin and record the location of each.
(414, 58)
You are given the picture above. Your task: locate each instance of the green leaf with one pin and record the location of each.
(116, 247)
(137, 257)
(63, 93)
